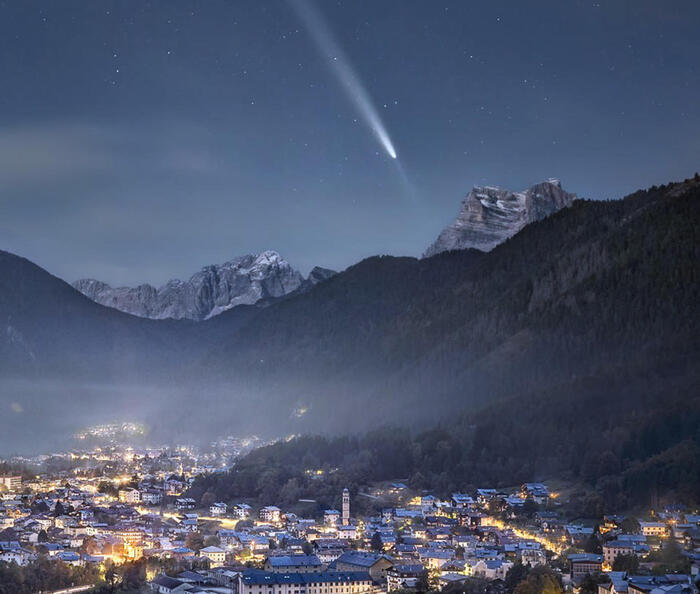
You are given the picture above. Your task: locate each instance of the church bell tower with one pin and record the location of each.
(346, 507)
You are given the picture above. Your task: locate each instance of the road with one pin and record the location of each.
(71, 590)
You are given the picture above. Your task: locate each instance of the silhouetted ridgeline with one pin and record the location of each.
(629, 447)
(599, 289)
(583, 329)
(589, 315)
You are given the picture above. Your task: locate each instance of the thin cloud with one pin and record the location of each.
(56, 152)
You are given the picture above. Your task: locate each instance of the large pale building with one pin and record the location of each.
(11, 483)
(216, 555)
(614, 548)
(653, 528)
(255, 581)
(270, 513)
(129, 495)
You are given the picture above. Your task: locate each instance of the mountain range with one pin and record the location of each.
(214, 289)
(488, 216)
(595, 295)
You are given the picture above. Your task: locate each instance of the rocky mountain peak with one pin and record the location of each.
(489, 215)
(214, 289)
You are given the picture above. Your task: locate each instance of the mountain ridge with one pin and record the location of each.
(528, 298)
(591, 289)
(582, 332)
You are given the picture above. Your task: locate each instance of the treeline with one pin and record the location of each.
(9, 468)
(569, 351)
(44, 575)
(633, 438)
(600, 288)
(629, 450)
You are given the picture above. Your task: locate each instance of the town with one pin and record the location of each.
(121, 517)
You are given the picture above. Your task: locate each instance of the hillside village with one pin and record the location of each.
(133, 524)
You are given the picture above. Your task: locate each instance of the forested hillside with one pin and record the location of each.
(602, 289)
(599, 298)
(630, 449)
(570, 351)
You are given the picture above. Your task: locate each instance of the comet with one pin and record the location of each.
(341, 68)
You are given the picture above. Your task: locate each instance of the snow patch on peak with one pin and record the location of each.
(268, 256)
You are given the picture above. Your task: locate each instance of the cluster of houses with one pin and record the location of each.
(416, 542)
(427, 541)
(622, 583)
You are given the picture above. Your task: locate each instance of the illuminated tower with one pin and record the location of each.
(346, 507)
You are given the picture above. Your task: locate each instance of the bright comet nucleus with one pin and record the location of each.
(343, 71)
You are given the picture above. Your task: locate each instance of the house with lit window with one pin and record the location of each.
(462, 501)
(270, 513)
(216, 555)
(129, 495)
(241, 511)
(185, 503)
(151, 496)
(614, 548)
(583, 564)
(653, 528)
(539, 492)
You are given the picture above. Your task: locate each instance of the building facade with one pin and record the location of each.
(255, 581)
(11, 483)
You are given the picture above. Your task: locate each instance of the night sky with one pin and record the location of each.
(141, 140)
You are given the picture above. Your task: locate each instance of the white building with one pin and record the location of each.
(129, 496)
(492, 569)
(614, 548)
(216, 556)
(348, 532)
(331, 517)
(653, 528)
(151, 497)
(185, 503)
(11, 483)
(15, 555)
(270, 513)
(241, 510)
(217, 509)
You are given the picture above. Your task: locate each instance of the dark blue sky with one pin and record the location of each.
(142, 140)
